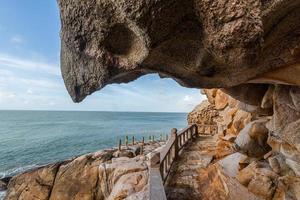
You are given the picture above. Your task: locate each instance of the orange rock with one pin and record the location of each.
(216, 185)
(221, 100)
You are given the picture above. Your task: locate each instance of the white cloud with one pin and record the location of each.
(6, 96)
(29, 91)
(17, 39)
(28, 65)
(188, 98)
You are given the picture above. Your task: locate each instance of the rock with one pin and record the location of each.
(262, 186)
(91, 176)
(231, 164)
(286, 106)
(124, 153)
(248, 93)
(203, 45)
(259, 178)
(221, 100)
(224, 148)
(36, 184)
(78, 179)
(3, 186)
(123, 177)
(202, 114)
(216, 185)
(291, 155)
(252, 140)
(267, 101)
(288, 188)
(4, 182)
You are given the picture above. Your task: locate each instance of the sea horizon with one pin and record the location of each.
(33, 138)
(92, 111)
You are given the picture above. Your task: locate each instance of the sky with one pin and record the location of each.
(30, 77)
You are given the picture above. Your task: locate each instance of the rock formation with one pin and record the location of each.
(267, 142)
(103, 175)
(198, 43)
(250, 49)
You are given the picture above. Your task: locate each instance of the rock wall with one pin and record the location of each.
(221, 110)
(260, 142)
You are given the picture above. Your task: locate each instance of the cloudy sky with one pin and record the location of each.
(30, 75)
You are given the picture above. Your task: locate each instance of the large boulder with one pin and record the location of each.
(252, 140)
(92, 176)
(200, 44)
(123, 177)
(35, 184)
(217, 185)
(78, 179)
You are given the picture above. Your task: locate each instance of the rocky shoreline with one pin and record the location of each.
(105, 174)
(254, 153)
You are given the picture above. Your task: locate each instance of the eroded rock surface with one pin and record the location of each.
(199, 43)
(261, 148)
(103, 175)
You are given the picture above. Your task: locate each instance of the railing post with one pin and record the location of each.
(120, 145)
(196, 133)
(175, 138)
(126, 140)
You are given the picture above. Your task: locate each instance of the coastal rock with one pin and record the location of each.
(4, 182)
(229, 119)
(36, 184)
(78, 179)
(252, 140)
(216, 185)
(202, 44)
(231, 164)
(288, 188)
(91, 176)
(122, 177)
(262, 185)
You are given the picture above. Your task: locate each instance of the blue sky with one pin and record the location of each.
(30, 75)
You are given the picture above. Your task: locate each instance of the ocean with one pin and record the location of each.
(29, 139)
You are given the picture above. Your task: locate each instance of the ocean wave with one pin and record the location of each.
(18, 170)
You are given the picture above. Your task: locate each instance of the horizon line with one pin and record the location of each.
(92, 111)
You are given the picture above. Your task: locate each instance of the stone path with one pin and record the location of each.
(196, 155)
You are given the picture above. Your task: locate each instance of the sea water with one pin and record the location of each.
(29, 139)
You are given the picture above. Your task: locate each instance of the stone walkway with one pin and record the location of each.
(196, 155)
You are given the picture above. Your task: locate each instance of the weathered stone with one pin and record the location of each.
(221, 100)
(201, 44)
(78, 179)
(231, 164)
(251, 94)
(252, 140)
(216, 185)
(288, 188)
(123, 177)
(36, 184)
(124, 153)
(262, 186)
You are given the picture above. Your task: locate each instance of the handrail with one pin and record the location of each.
(163, 161)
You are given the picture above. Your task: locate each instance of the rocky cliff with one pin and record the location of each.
(256, 145)
(198, 43)
(250, 49)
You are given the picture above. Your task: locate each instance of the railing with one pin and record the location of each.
(161, 162)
